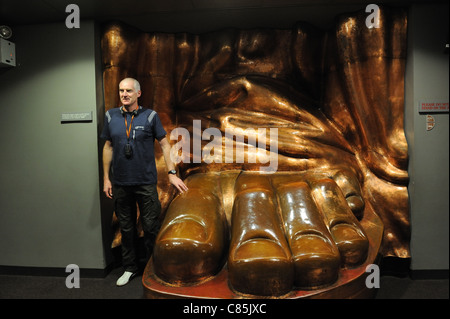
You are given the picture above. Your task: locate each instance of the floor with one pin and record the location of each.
(41, 287)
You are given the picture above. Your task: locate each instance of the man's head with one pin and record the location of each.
(129, 92)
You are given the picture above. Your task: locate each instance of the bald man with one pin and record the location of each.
(129, 132)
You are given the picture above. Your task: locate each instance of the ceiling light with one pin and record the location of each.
(5, 32)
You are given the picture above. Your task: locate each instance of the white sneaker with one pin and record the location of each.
(125, 278)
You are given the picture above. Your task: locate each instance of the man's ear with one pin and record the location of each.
(139, 93)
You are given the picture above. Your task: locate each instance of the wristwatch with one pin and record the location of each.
(173, 172)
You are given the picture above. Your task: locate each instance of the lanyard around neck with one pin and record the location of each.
(128, 129)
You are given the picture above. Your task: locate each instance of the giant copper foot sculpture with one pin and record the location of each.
(273, 234)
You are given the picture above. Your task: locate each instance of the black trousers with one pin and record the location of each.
(146, 197)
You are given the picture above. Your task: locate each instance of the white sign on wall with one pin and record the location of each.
(430, 122)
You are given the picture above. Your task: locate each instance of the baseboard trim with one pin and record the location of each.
(401, 267)
(53, 271)
(395, 266)
(421, 274)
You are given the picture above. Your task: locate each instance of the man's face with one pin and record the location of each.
(128, 93)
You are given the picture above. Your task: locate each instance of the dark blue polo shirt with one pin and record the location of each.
(140, 169)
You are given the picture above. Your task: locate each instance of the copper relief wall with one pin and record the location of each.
(336, 99)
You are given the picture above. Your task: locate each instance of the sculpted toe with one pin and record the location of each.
(316, 261)
(192, 241)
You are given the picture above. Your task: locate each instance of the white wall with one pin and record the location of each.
(49, 183)
(428, 79)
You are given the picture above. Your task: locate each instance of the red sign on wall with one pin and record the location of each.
(433, 107)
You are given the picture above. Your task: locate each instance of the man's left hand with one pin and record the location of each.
(178, 183)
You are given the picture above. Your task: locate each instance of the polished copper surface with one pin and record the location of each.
(336, 100)
(350, 282)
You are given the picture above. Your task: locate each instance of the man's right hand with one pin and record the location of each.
(107, 159)
(107, 188)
